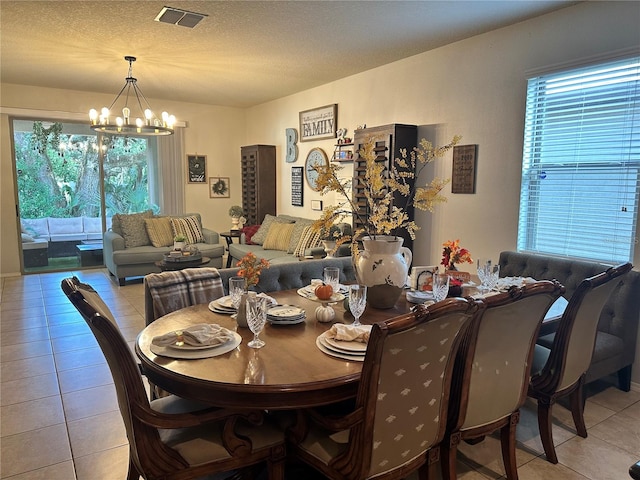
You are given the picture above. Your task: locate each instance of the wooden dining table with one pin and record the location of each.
(289, 372)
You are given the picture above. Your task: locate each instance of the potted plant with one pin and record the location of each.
(329, 237)
(236, 213)
(179, 242)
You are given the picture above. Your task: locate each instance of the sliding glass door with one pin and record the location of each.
(70, 182)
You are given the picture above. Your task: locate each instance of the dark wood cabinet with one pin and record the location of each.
(258, 182)
(389, 140)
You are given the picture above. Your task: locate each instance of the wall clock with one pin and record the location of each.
(315, 157)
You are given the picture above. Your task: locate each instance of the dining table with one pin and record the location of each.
(289, 372)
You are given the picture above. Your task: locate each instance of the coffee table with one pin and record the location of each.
(90, 254)
(172, 266)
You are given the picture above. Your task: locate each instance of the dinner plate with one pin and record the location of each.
(225, 301)
(215, 307)
(350, 347)
(336, 297)
(417, 296)
(285, 312)
(281, 321)
(333, 353)
(196, 354)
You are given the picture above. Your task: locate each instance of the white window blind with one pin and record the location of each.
(581, 163)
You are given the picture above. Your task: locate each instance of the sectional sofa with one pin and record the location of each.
(615, 347)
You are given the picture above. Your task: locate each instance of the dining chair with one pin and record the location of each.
(172, 438)
(169, 291)
(399, 414)
(492, 372)
(559, 370)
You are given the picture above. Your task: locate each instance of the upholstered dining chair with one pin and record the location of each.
(169, 291)
(492, 372)
(559, 369)
(399, 415)
(173, 438)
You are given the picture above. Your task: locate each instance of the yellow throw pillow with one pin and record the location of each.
(278, 236)
(159, 231)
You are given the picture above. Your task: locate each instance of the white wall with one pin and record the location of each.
(475, 88)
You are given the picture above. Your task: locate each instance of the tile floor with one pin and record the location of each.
(59, 416)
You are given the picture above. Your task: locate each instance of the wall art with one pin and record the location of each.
(319, 123)
(296, 186)
(196, 168)
(463, 177)
(219, 187)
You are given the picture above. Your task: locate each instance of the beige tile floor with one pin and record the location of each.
(59, 417)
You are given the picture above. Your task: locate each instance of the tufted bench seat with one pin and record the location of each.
(615, 346)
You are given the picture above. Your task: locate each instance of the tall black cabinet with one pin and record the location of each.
(258, 182)
(389, 140)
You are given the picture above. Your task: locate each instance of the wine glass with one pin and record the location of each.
(492, 274)
(332, 277)
(236, 290)
(357, 301)
(440, 286)
(256, 318)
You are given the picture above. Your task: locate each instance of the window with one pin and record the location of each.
(581, 163)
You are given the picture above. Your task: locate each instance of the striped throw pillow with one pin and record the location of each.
(189, 227)
(308, 239)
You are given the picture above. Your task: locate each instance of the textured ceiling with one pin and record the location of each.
(244, 53)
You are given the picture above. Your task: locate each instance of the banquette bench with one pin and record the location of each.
(615, 346)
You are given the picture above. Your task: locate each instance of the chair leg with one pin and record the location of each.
(577, 409)
(546, 435)
(275, 469)
(133, 473)
(448, 454)
(624, 378)
(508, 445)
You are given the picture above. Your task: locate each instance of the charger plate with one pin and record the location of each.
(196, 354)
(321, 343)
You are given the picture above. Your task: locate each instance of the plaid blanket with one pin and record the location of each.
(174, 290)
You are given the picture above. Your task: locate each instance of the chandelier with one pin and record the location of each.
(147, 123)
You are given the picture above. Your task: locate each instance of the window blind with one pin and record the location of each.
(581, 163)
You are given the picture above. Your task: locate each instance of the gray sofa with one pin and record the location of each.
(278, 256)
(618, 328)
(278, 277)
(140, 260)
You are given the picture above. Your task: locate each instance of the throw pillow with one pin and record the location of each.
(249, 232)
(298, 229)
(134, 230)
(278, 236)
(261, 234)
(159, 231)
(189, 227)
(309, 239)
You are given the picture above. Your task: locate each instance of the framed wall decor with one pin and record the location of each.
(296, 186)
(219, 187)
(316, 205)
(196, 168)
(319, 123)
(463, 176)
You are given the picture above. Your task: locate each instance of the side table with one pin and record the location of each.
(229, 236)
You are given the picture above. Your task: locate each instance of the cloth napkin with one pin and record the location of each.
(349, 333)
(270, 300)
(196, 335)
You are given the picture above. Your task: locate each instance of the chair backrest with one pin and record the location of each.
(575, 338)
(144, 441)
(404, 388)
(167, 292)
(498, 363)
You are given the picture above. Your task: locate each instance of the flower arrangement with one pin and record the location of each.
(251, 267)
(453, 253)
(383, 215)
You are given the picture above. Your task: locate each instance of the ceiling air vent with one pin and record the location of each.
(176, 16)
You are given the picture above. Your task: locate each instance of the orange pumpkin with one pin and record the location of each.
(324, 291)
